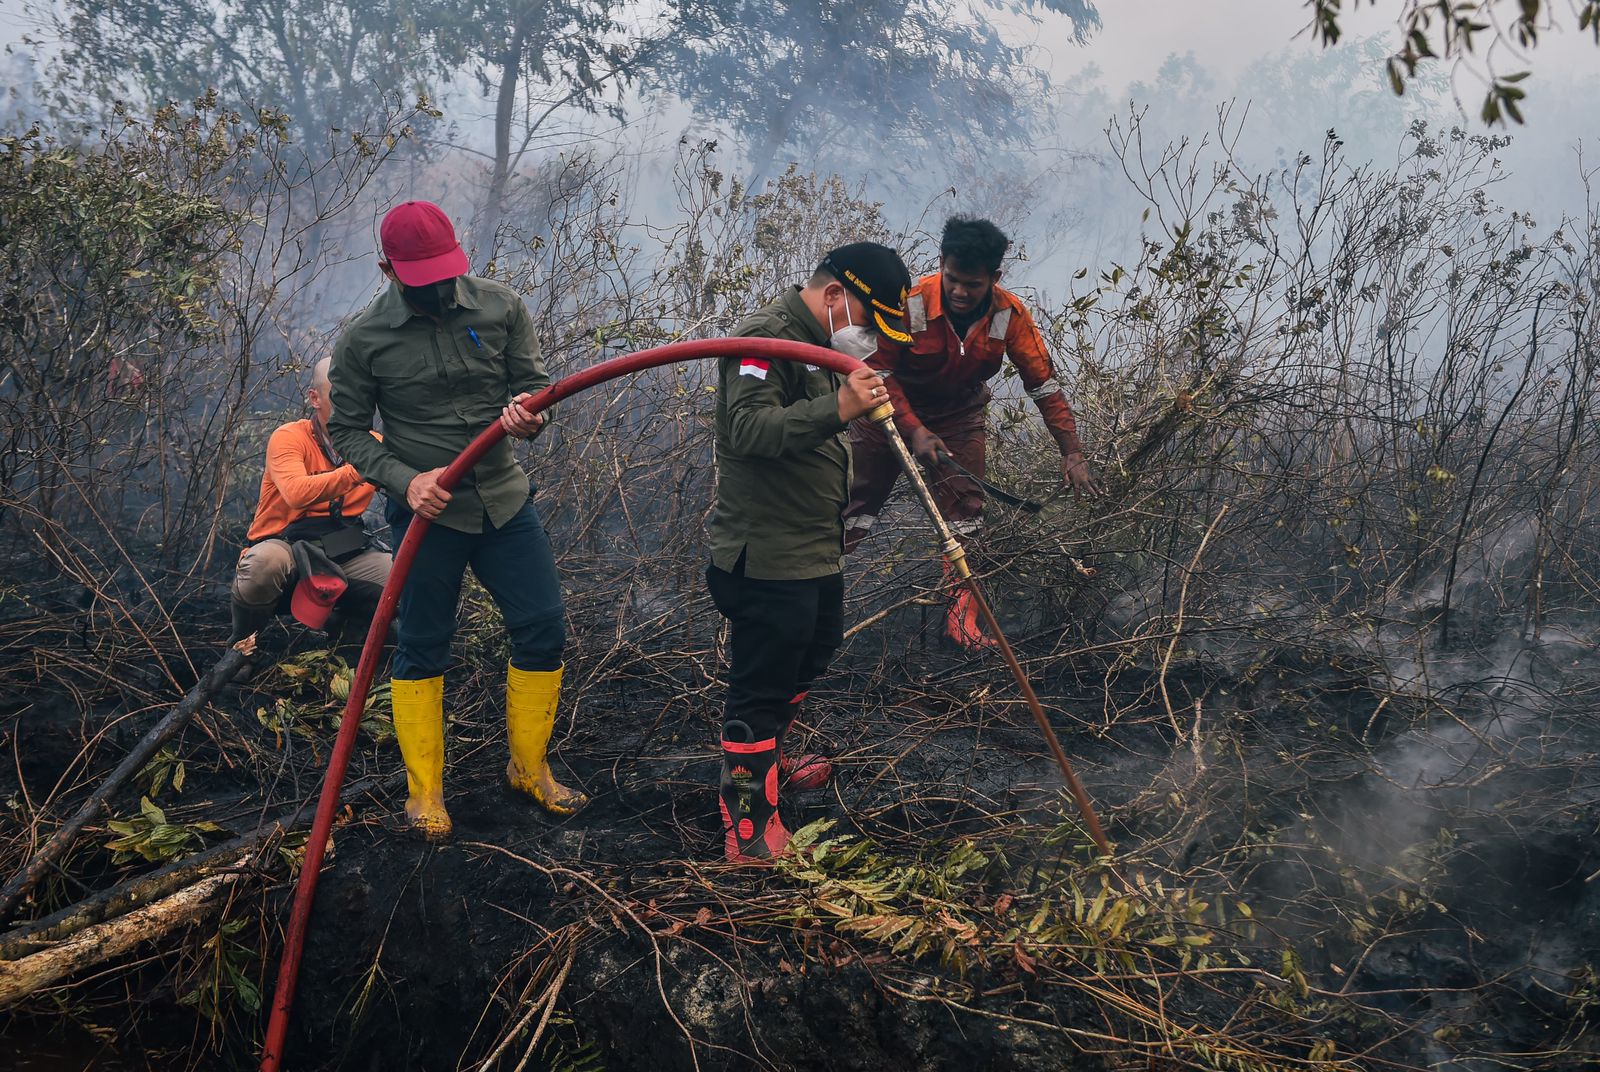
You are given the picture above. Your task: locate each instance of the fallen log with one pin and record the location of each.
(49, 951)
(24, 880)
(143, 889)
(103, 941)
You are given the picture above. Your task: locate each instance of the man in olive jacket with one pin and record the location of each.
(777, 538)
(441, 355)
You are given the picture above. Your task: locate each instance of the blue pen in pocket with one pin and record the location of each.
(475, 340)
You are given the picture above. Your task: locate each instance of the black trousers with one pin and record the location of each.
(783, 636)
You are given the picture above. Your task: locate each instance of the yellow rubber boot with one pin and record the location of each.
(531, 699)
(419, 728)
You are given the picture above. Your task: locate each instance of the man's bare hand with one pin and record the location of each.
(862, 391)
(518, 422)
(424, 495)
(927, 447)
(1075, 474)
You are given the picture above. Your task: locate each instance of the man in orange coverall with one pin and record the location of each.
(962, 325)
(308, 493)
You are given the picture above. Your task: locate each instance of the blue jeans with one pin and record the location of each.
(513, 562)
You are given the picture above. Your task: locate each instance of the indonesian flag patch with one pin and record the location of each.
(754, 366)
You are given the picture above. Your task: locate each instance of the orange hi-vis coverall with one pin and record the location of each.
(940, 382)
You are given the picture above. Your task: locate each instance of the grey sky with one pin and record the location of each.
(1228, 36)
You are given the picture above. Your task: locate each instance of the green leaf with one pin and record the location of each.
(808, 835)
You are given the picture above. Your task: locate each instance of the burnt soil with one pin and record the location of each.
(425, 956)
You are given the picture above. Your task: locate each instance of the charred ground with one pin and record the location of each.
(953, 920)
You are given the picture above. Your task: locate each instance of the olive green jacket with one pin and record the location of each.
(783, 465)
(437, 385)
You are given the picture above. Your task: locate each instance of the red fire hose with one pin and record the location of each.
(350, 723)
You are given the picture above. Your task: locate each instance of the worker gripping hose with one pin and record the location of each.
(603, 372)
(776, 525)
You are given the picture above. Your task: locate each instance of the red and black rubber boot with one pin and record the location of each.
(809, 770)
(752, 830)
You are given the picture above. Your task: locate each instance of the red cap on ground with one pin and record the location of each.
(419, 242)
(320, 584)
(314, 598)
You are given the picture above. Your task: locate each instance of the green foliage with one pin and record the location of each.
(578, 49)
(795, 74)
(927, 905)
(112, 254)
(164, 767)
(136, 277)
(149, 836)
(326, 65)
(1131, 945)
(568, 1051)
(878, 78)
(124, 344)
(223, 979)
(319, 687)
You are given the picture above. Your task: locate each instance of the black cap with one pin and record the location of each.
(875, 274)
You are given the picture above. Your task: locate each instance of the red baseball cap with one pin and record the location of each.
(319, 586)
(419, 242)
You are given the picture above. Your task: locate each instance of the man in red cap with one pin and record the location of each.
(440, 354)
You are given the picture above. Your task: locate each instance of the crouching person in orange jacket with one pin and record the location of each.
(962, 325)
(308, 493)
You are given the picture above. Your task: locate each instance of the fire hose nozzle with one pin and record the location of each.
(956, 555)
(882, 413)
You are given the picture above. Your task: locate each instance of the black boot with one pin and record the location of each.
(247, 620)
(347, 626)
(751, 828)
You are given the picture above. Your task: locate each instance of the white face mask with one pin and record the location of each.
(852, 340)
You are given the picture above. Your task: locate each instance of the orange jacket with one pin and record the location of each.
(301, 481)
(940, 374)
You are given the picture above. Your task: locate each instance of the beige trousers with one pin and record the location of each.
(265, 569)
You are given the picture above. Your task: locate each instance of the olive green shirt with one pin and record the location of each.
(437, 384)
(783, 465)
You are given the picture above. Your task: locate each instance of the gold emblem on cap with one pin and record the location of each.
(890, 333)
